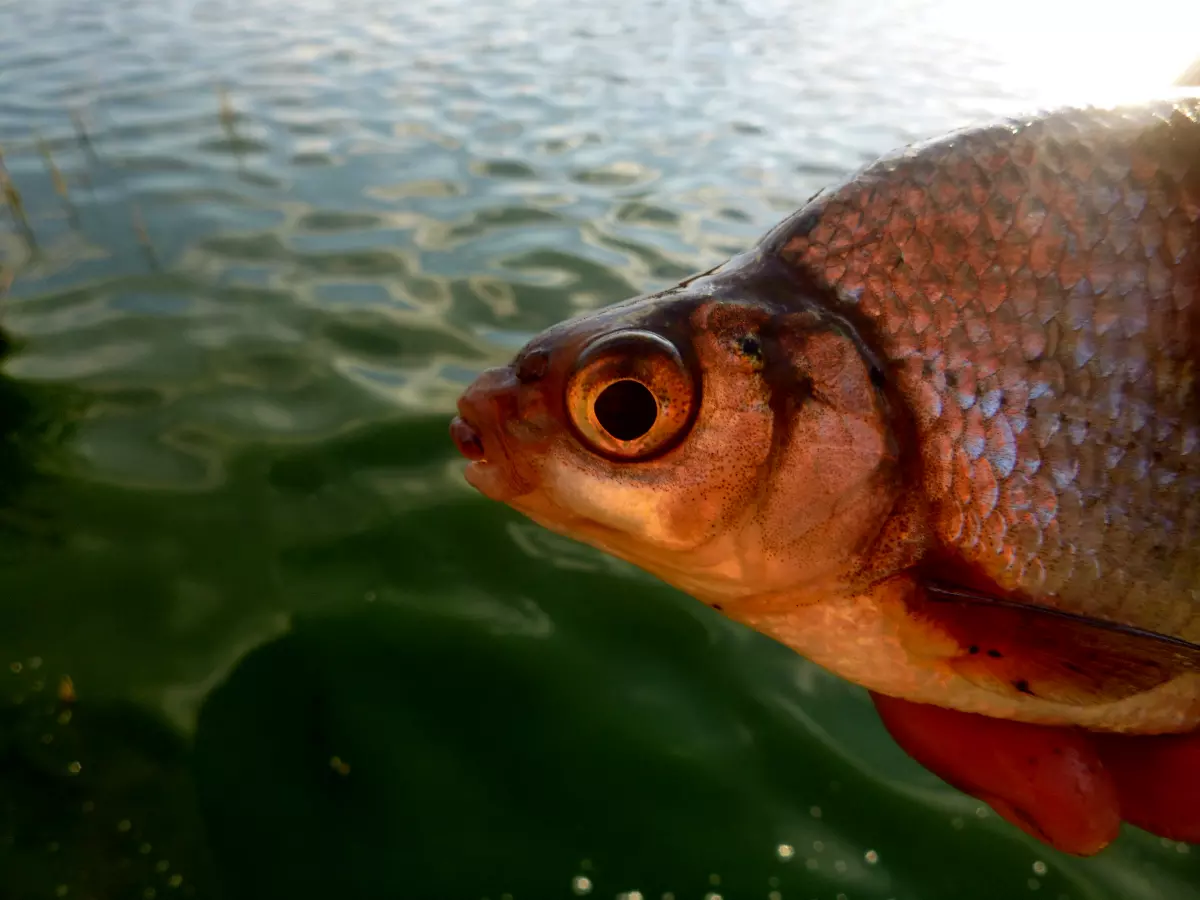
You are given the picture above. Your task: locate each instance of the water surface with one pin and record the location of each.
(259, 639)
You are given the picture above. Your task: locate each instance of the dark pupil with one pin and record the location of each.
(626, 410)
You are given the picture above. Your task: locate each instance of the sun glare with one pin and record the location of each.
(1064, 49)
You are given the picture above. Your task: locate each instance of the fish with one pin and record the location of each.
(937, 431)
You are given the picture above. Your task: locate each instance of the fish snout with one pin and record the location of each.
(484, 406)
(483, 431)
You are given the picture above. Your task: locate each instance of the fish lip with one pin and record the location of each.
(480, 439)
(474, 431)
(467, 439)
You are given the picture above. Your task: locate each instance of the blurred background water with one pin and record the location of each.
(257, 637)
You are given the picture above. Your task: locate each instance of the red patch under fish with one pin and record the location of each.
(1065, 786)
(1049, 782)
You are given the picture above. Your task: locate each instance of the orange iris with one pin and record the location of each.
(631, 396)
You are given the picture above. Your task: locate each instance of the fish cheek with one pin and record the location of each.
(716, 474)
(835, 476)
(633, 502)
(724, 462)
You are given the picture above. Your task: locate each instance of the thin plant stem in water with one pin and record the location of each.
(143, 238)
(60, 183)
(12, 199)
(227, 115)
(82, 138)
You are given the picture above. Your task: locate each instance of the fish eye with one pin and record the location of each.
(631, 396)
(626, 409)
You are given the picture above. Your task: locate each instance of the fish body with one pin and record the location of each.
(938, 431)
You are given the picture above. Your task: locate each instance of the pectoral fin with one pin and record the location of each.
(1014, 648)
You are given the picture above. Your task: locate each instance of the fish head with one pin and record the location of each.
(730, 435)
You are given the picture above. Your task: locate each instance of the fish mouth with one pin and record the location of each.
(489, 469)
(469, 443)
(467, 439)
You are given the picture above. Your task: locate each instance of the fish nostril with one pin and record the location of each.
(466, 439)
(532, 366)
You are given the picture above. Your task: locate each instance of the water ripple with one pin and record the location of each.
(269, 243)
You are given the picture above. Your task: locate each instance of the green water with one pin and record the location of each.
(307, 660)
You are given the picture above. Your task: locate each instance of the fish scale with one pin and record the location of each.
(1034, 285)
